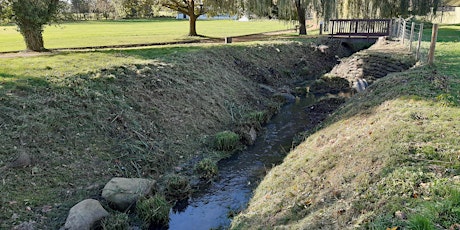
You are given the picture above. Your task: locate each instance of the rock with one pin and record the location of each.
(25, 226)
(124, 192)
(253, 135)
(400, 215)
(360, 85)
(23, 160)
(287, 97)
(84, 215)
(267, 88)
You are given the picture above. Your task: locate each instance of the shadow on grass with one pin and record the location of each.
(11, 82)
(155, 52)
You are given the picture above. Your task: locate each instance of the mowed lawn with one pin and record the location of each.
(106, 33)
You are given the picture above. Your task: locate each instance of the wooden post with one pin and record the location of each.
(434, 37)
(419, 44)
(332, 29)
(403, 32)
(411, 39)
(321, 28)
(228, 40)
(399, 28)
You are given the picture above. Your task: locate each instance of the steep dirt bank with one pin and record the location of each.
(134, 121)
(388, 158)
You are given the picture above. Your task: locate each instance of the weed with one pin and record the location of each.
(117, 221)
(257, 118)
(420, 222)
(207, 168)
(153, 210)
(447, 100)
(226, 141)
(330, 84)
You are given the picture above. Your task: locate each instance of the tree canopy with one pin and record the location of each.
(30, 16)
(195, 8)
(386, 8)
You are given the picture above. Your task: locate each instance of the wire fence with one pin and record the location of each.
(414, 36)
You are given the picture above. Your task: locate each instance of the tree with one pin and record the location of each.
(31, 16)
(137, 8)
(294, 10)
(80, 7)
(104, 7)
(388, 8)
(297, 9)
(195, 8)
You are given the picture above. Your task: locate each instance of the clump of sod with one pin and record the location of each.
(153, 210)
(118, 221)
(177, 186)
(226, 141)
(207, 168)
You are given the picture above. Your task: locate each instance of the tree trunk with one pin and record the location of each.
(192, 21)
(301, 17)
(33, 38)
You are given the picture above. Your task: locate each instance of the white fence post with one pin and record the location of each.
(411, 39)
(419, 44)
(403, 34)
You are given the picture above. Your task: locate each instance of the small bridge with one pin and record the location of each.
(359, 29)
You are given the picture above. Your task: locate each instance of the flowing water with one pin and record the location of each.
(238, 175)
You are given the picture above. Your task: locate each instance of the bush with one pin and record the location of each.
(207, 168)
(226, 141)
(153, 210)
(118, 221)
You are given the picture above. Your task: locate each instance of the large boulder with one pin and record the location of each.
(124, 192)
(84, 215)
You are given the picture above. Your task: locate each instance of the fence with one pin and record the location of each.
(416, 38)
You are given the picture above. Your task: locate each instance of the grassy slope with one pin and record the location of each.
(103, 33)
(393, 149)
(140, 114)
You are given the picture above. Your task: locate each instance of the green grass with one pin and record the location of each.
(393, 148)
(107, 33)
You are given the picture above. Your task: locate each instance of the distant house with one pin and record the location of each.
(447, 13)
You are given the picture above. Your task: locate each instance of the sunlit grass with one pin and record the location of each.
(106, 33)
(392, 149)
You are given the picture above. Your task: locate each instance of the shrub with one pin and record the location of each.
(226, 141)
(153, 210)
(207, 168)
(118, 221)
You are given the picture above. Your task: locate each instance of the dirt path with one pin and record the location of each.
(243, 38)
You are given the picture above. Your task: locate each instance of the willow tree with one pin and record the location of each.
(297, 9)
(388, 8)
(31, 16)
(195, 8)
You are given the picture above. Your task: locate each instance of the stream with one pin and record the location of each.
(241, 173)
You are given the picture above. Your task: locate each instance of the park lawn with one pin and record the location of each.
(109, 33)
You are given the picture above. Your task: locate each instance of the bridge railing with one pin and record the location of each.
(359, 27)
